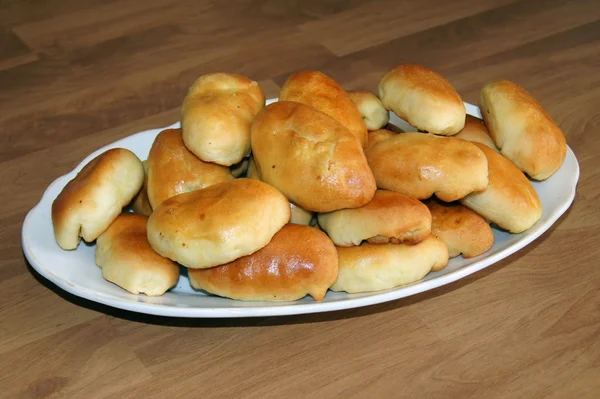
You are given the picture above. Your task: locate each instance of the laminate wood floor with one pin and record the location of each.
(76, 75)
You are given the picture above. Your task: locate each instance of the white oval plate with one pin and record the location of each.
(76, 272)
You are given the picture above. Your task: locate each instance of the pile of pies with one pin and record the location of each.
(316, 191)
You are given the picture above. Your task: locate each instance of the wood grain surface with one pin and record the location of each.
(76, 75)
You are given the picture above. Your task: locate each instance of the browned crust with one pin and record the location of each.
(216, 115)
(141, 203)
(510, 199)
(215, 225)
(389, 216)
(423, 98)
(126, 258)
(299, 260)
(523, 131)
(475, 130)
(421, 165)
(311, 158)
(463, 230)
(79, 209)
(173, 169)
(318, 90)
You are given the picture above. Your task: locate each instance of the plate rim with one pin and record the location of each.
(281, 309)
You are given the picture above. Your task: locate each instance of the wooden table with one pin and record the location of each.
(76, 75)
